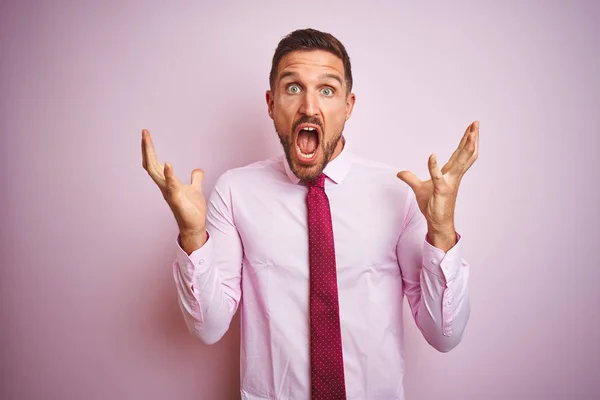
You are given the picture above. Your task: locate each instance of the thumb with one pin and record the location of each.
(197, 177)
(409, 178)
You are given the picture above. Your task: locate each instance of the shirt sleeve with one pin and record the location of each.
(208, 280)
(435, 282)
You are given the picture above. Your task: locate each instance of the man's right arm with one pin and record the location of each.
(207, 272)
(207, 269)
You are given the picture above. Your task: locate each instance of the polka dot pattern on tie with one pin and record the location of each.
(327, 364)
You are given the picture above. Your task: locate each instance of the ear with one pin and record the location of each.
(270, 101)
(350, 100)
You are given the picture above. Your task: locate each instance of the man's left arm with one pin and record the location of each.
(429, 249)
(435, 282)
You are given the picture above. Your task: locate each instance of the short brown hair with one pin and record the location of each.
(311, 39)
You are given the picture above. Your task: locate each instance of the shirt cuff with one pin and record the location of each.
(197, 262)
(446, 264)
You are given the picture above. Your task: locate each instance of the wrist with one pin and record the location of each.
(443, 238)
(191, 242)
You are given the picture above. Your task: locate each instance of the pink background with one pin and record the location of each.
(88, 306)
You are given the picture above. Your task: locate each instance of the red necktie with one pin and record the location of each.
(326, 360)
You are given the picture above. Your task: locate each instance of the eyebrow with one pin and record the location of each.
(292, 74)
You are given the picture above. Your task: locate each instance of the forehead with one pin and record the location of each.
(310, 63)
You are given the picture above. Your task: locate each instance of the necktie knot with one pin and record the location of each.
(318, 182)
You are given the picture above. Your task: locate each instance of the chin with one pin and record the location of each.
(306, 172)
(303, 169)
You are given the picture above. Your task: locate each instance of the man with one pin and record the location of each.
(322, 244)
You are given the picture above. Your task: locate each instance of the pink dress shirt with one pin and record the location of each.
(256, 258)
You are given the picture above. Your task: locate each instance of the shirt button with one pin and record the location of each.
(201, 261)
(434, 261)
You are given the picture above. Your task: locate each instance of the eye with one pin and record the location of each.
(327, 91)
(293, 89)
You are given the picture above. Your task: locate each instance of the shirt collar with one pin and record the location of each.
(336, 169)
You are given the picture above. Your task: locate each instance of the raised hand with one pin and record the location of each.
(436, 197)
(186, 201)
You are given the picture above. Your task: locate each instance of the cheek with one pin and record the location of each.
(336, 117)
(283, 110)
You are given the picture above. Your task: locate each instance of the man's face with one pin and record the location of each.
(309, 105)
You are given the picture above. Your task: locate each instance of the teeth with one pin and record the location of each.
(309, 128)
(307, 156)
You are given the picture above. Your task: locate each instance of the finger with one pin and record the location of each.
(436, 174)
(466, 156)
(448, 166)
(471, 128)
(146, 143)
(461, 145)
(149, 152)
(158, 178)
(469, 154)
(144, 159)
(472, 146)
(463, 139)
(197, 177)
(410, 179)
(463, 157)
(476, 153)
(170, 178)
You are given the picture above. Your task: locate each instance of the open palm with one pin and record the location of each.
(436, 197)
(187, 202)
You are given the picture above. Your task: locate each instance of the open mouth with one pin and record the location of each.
(307, 142)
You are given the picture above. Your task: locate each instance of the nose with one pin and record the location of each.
(309, 106)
